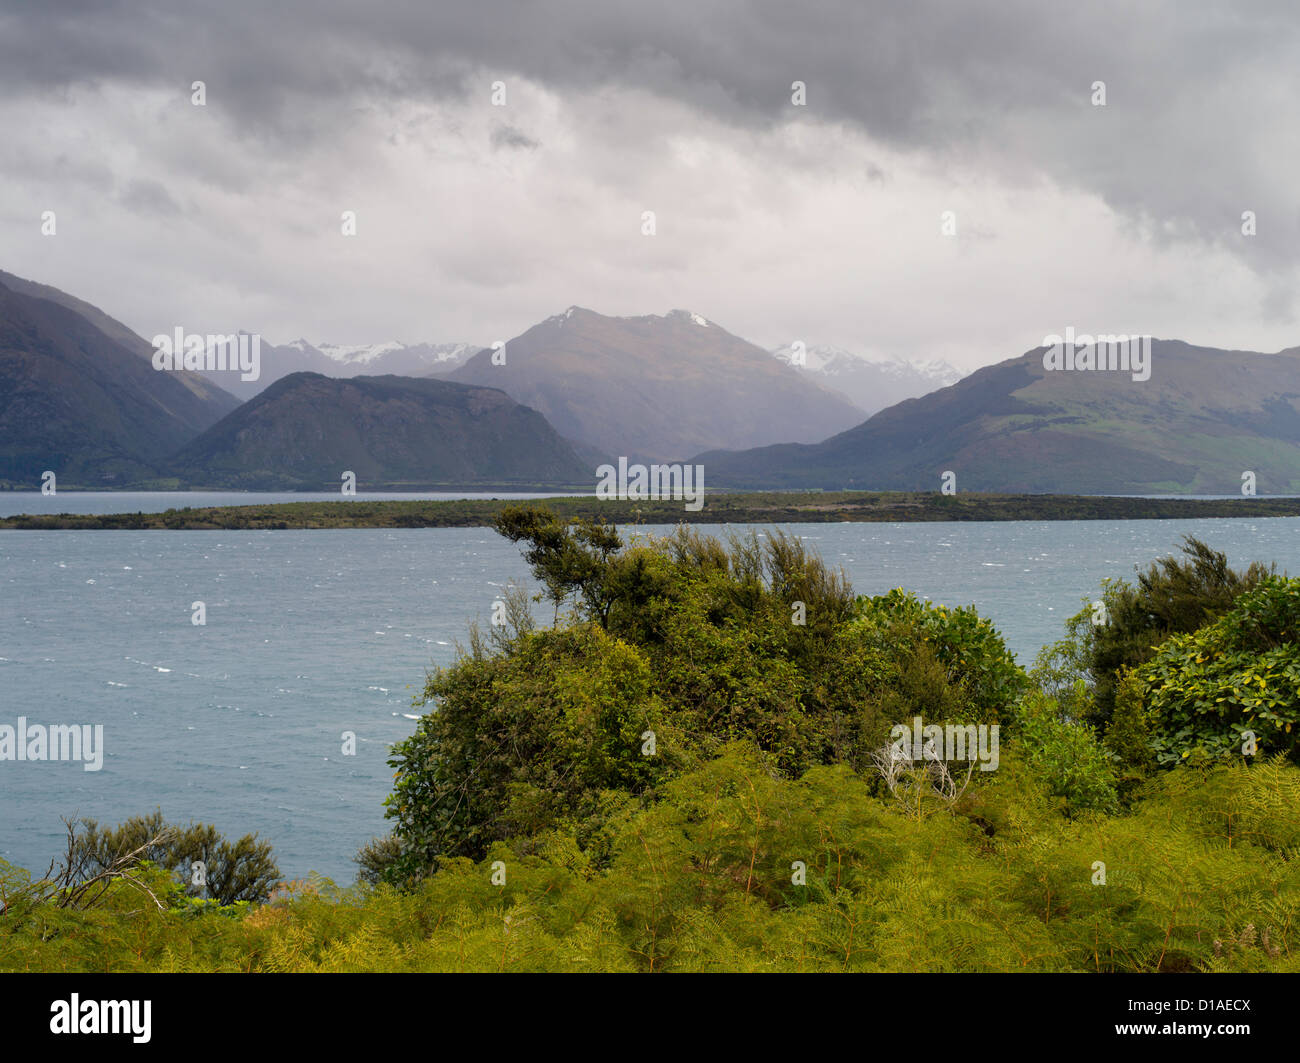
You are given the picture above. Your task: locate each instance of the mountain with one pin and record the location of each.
(657, 387)
(80, 397)
(871, 384)
(211, 393)
(306, 430)
(1203, 418)
(329, 359)
(401, 359)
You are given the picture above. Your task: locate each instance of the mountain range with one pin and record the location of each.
(80, 397)
(1205, 417)
(329, 359)
(657, 387)
(871, 384)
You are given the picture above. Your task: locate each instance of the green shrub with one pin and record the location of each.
(1239, 674)
(1065, 755)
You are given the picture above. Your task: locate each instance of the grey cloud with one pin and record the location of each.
(149, 197)
(506, 136)
(1199, 96)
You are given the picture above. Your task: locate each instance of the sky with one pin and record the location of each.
(950, 187)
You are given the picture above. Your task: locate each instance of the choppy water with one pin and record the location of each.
(310, 634)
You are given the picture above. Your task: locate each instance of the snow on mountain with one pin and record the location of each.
(340, 360)
(361, 354)
(392, 356)
(871, 383)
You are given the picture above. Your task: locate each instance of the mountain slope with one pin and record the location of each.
(1203, 418)
(212, 393)
(84, 404)
(306, 430)
(656, 388)
(871, 384)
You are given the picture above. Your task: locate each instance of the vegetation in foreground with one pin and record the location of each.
(691, 769)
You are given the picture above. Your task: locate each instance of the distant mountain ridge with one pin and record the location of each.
(208, 392)
(657, 387)
(306, 430)
(871, 384)
(79, 397)
(392, 358)
(1205, 417)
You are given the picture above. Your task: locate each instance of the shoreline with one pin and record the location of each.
(770, 507)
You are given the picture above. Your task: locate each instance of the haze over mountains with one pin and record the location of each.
(80, 397)
(1203, 418)
(871, 384)
(84, 402)
(209, 393)
(658, 387)
(392, 358)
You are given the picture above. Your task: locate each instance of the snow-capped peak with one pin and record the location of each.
(836, 361)
(560, 319)
(359, 354)
(698, 319)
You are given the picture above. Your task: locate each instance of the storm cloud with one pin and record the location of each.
(821, 221)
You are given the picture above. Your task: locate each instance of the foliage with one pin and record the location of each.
(1065, 755)
(243, 870)
(977, 665)
(1171, 597)
(1239, 674)
(695, 641)
(678, 776)
(737, 867)
(520, 739)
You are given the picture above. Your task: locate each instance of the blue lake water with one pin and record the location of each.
(310, 634)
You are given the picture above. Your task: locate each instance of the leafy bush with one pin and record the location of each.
(1239, 674)
(523, 740)
(244, 870)
(700, 642)
(977, 665)
(1171, 597)
(1065, 755)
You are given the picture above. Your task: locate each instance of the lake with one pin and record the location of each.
(313, 633)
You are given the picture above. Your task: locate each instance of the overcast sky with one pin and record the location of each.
(820, 222)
